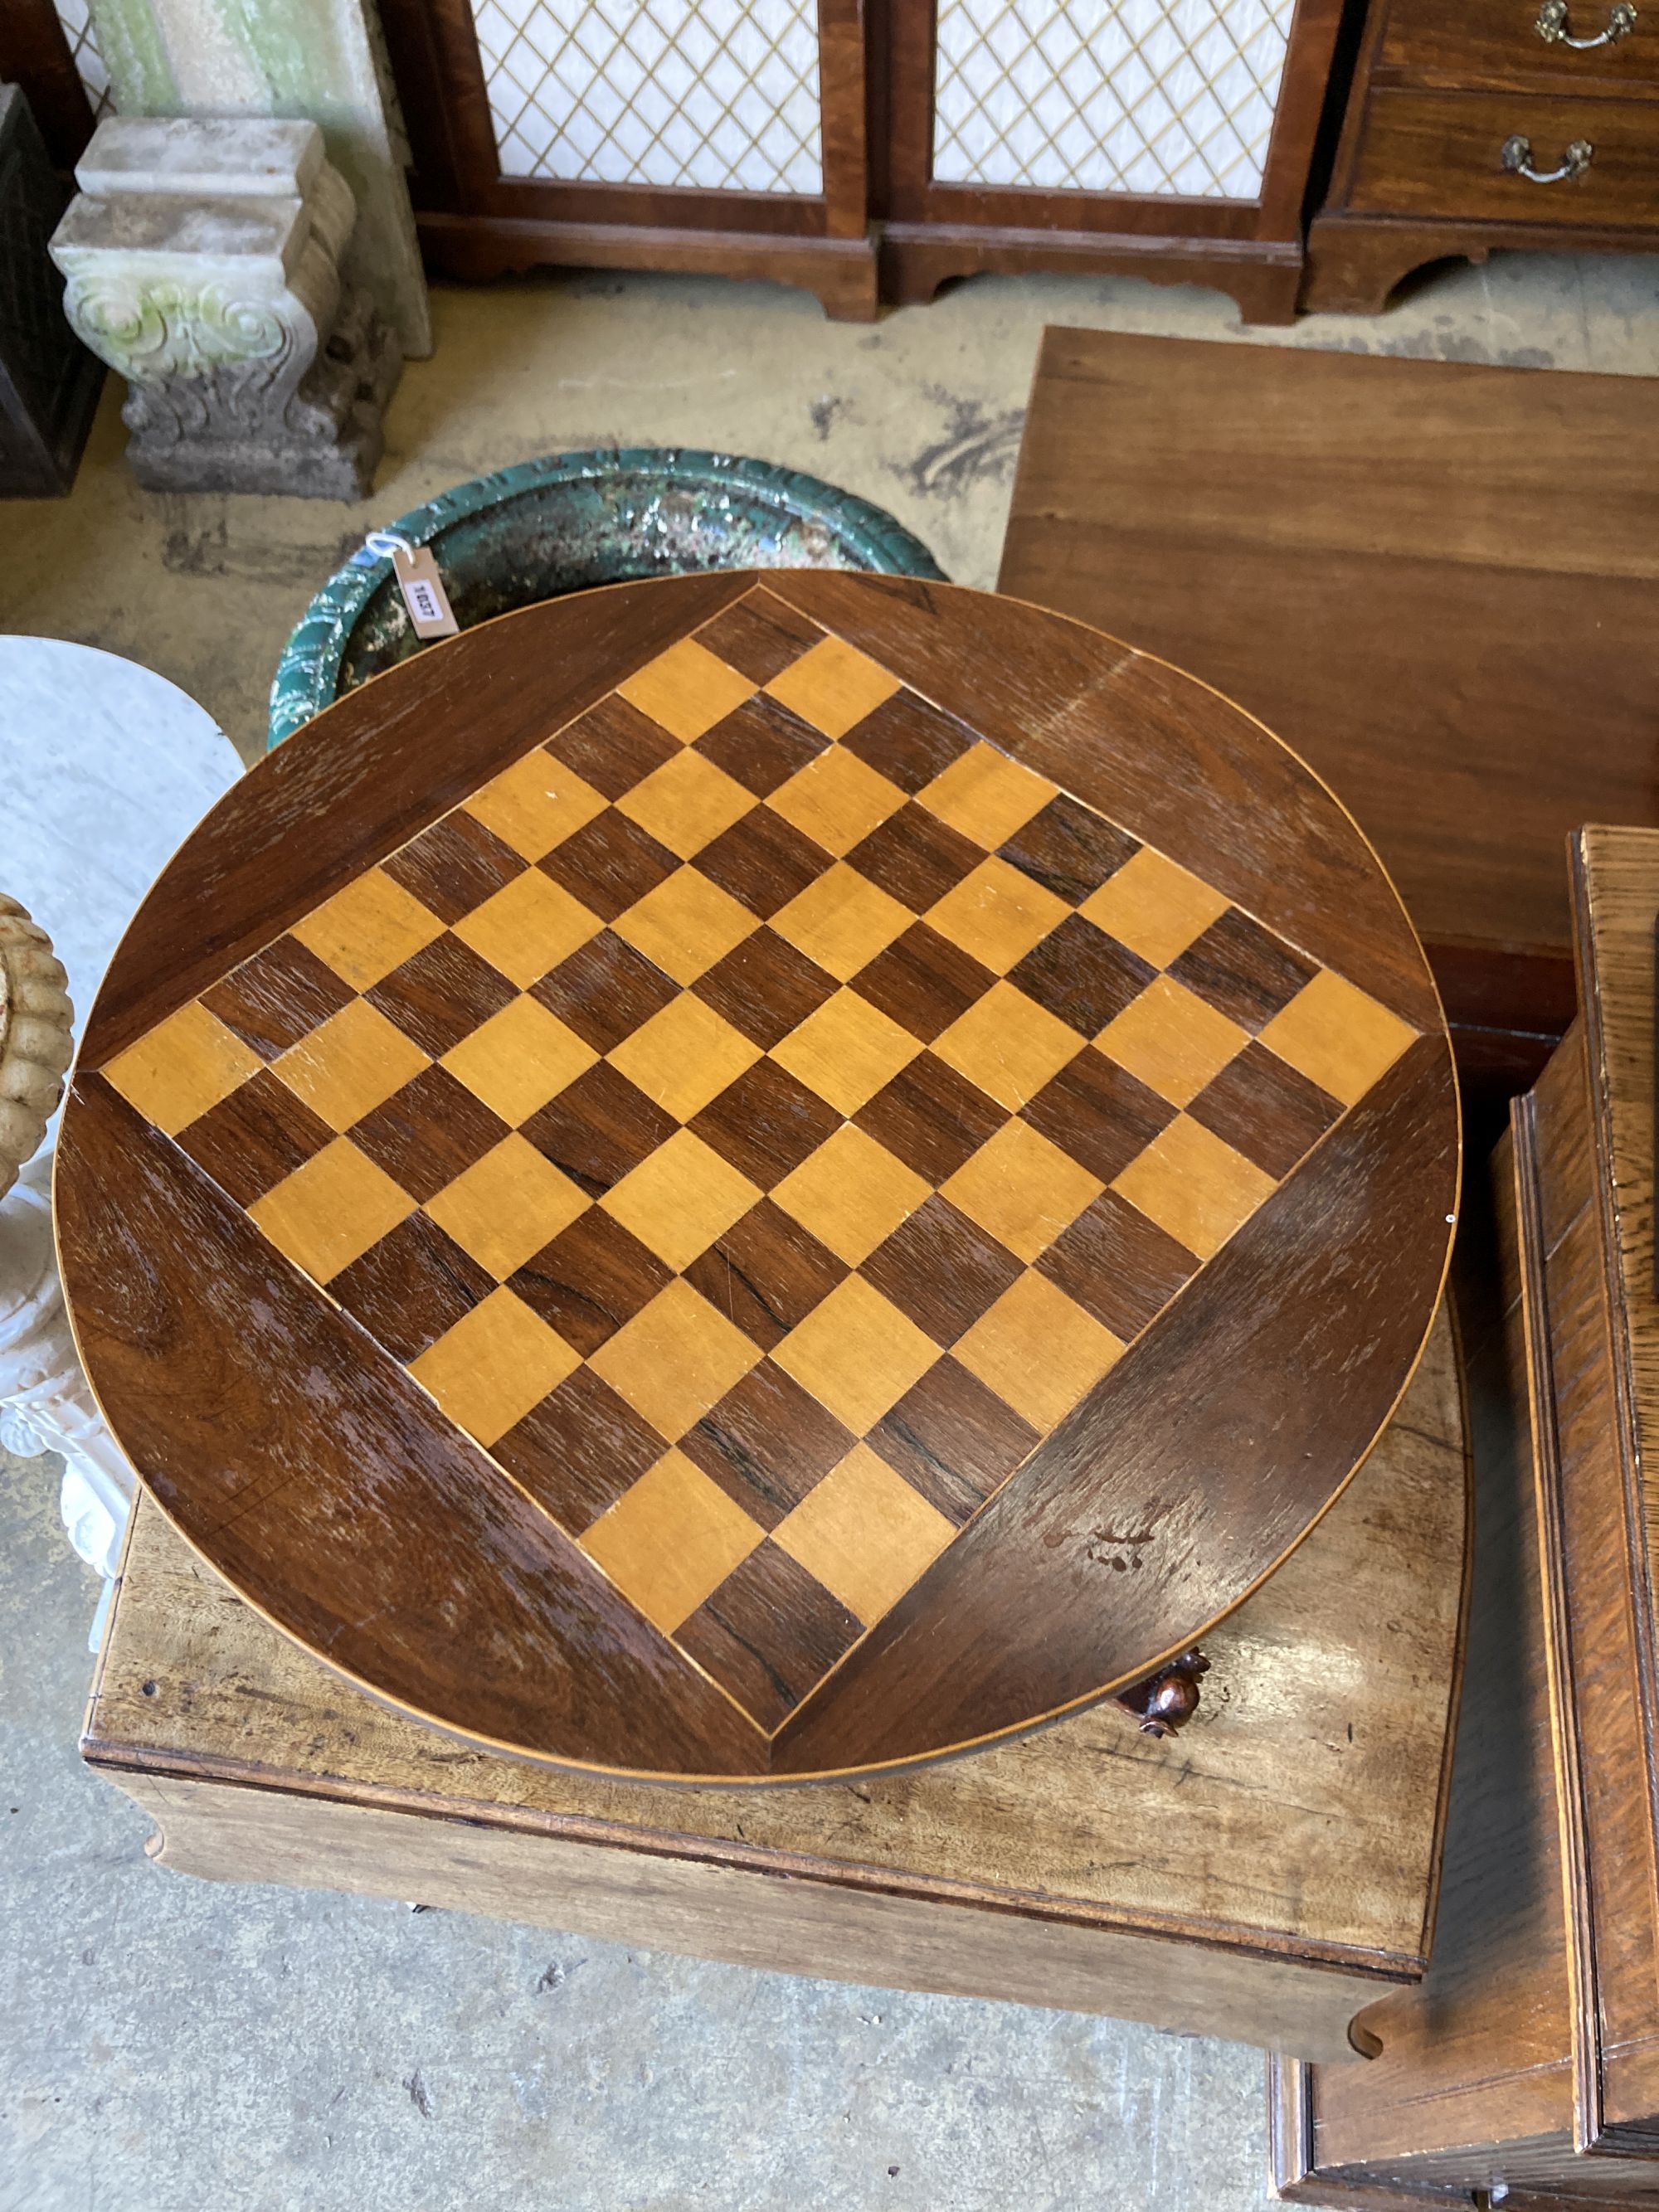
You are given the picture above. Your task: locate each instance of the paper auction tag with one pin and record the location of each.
(424, 593)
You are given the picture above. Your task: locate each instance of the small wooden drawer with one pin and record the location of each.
(1441, 154)
(1484, 42)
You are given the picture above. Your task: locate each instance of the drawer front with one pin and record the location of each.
(1441, 154)
(1496, 41)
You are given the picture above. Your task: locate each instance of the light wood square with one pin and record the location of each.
(680, 1198)
(685, 925)
(507, 1205)
(997, 913)
(181, 1067)
(684, 1056)
(1008, 1045)
(535, 804)
(1194, 1186)
(670, 1540)
(1154, 906)
(1337, 1037)
(687, 689)
(351, 1064)
(846, 1050)
(857, 1354)
(675, 1360)
(528, 927)
(841, 919)
(1171, 1039)
(836, 799)
(519, 1059)
(495, 1364)
(833, 685)
(686, 802)
(1038, 1349)
(864, 1533)
(328, 1213)
(367, 929)
(986, 795)
(1021, 1187)
(852, 1193)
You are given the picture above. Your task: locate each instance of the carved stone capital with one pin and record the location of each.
(35, 1037)
(202, 260)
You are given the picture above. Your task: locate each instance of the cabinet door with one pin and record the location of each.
(1173, 117)
(707, 115)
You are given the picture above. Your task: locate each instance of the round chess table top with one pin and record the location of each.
(753, 1178)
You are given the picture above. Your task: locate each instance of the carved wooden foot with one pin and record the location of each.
(1165, 1701)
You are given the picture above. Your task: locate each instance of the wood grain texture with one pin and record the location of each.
(1085, 1866)
(1433, 153)
(625, 1268)
(1496, 43)
(1263, 503)
(1536, 2039)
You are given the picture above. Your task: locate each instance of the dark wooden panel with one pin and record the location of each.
(1436, 153)
(1496, 41)
(1435, 582)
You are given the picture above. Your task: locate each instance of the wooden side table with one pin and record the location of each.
(1262, 1876)
(1529, 2060)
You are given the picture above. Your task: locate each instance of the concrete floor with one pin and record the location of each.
(166, 2044)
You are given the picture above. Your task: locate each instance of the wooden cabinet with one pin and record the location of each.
(842, 146)
(1504, 123)
(1527, 2063)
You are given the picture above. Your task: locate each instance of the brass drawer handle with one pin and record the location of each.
(1516, 155)
(1551, 26)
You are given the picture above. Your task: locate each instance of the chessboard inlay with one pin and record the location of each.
(757, 1117)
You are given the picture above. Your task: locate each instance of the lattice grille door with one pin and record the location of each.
(717, 95)
(83, 37)
(1155, 97)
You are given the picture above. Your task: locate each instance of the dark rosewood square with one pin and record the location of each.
(761, 745)
(766, 1123)
(762, 860)
(909, 742)
(612, 746)
(278, 997)
(766, 1444)
(590, 1279)
(580, 1450)
(1242, 970)
(1099, 1113)
(1118, 1266)
(605, 991)
(765, 987)
(766, 1273)
(760, 637)
(1265, 1110)
(933, 1118)
(428, 1133)
(770, 1632)
(441, 994)
(412, 1287)
(251, 1140)
(941, 1269)
(1069, 850)
(915, 857)
(923, 981)
(454, 865)
(953, 1439)
(1082, 975)
(598, 1129)
(610, 863)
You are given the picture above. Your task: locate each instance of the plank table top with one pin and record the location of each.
(746, 1179)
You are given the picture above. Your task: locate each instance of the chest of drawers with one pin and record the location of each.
(1503, 122)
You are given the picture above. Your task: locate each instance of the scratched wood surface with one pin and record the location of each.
(856, 1171)
(1184, 1882)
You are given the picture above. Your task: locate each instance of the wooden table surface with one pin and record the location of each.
(1438, 581)
(754, 1180)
